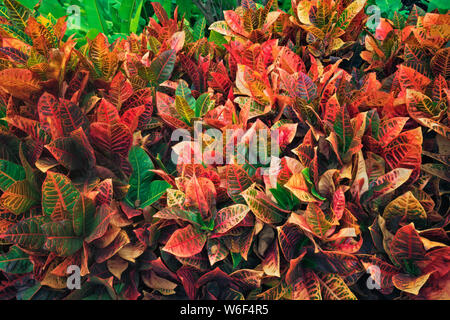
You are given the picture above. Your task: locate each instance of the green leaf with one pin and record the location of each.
(184, 92)
(15, 32)
(17, 13)
(343, 129)
(129, 13)
(202, 105)
(199, 28)
(96, 15)
(15, 261)
(10, 173)
(83, 212)
(307, 174)
(284, 197)
(157, 189)
(183, 109)
(141, 175)
(58, 194)
(19, 197)
(135, 20)
(61, 238)
(237, 258)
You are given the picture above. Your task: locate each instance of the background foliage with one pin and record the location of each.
(87, 178)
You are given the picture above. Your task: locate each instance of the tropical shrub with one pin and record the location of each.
(348, 197)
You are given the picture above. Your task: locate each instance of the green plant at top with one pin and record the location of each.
(114, 18)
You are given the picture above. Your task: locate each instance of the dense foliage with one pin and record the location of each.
(355, 206)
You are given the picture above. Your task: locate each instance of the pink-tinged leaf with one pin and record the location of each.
(381, 272)
(100, 223)
(71, 117)
(332, 107)
(201, 194)
(319, 223)
(76, 86)
(186, 242)
(107, 112)
(105, 192)
(139, 98)
(217, 251)
(405, 151)
(338, 204)
(114, 247)
(248, 279)
(343, 264)
(289, 235)
(160, 13)
(220, 82)
(305, 88)
(271, 262)
(237, 180)
(229, 217)
(48, 111)
(234, 21)
(387, 183)
(31, 127)
(27, 233)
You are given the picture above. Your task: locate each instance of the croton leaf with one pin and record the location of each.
(334, 288)
(58, 195)
(19, 197)
(27, 233)
(60, 238)
(10, 173)
(229, 217)
(186, 242)
(162, 67)
(305, 88)
(406, 246)
(83, 211)
(181, 214)
(405, 207)
(16, 261)
(237, 182)
(262, 207)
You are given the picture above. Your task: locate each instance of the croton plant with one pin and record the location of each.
(354, 206)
